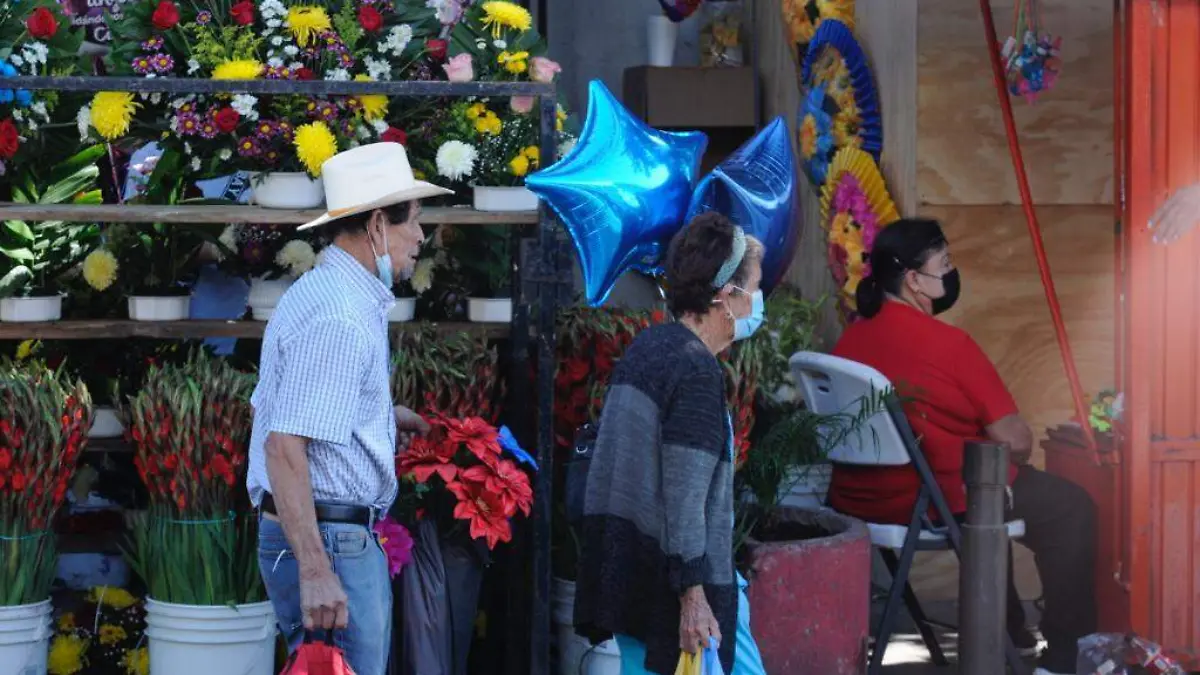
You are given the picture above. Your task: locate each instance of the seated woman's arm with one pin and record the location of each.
(994, 406)
(1016, 434)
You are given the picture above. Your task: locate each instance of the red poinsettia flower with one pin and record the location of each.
(477, 435)
(424, 459)
(484, 512)
(506, 481)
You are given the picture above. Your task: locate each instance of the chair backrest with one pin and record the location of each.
(832, 385)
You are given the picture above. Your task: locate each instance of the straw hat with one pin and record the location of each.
(369, 177)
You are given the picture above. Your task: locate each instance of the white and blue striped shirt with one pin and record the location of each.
(324, 376)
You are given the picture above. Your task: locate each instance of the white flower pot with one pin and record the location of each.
(576, 656)
(489, 310)
(265, 295)
(403, 310)
(25, 633)
(201, 640)
(105, 423)
(504, 199)
(286, 190)
(21, 310)
(159, 308)
(661, 34)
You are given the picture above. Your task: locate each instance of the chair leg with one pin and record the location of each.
(899, 580)
(916, 612)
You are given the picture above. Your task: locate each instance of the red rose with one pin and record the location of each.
(10, 140)
(394, 135)
(41, 24)
(369, 18)
(305, 73)
(243, 12)
(166, 15)
(226, 120)
(436, 48)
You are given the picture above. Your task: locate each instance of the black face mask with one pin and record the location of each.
(953, 285)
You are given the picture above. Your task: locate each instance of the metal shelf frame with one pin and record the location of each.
(543, 274)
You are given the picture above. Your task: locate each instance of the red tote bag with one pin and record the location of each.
(317, 658)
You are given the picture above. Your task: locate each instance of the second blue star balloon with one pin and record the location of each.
(756, 188)
(621, 192)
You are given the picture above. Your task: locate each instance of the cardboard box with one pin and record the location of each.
(691, 98)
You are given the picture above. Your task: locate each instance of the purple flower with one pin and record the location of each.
(266, 129)
(208, 129)
(271, 157)
(254, 252)
(187, 124)
(204, 17)
(397, 543)
(142, 65)
(153, 44)
(249, 147)
(163, 63)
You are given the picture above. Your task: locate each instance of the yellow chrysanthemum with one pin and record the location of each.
(498, 15)
(117, 598)
(533, 153)
(489, 124)
(136, 661)
(374, 106)
(243, 69)
(67, 655)
(514, 62)
(476, 111)
(67, 620)
(315, 144)
(519, 166)
(306, 22)
(112, 113)
(111, 634)
(100, 269)
(24, 351)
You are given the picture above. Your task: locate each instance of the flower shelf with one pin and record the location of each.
(120, 328)
(232, 213)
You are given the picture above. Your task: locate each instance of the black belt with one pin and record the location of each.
(351, 514)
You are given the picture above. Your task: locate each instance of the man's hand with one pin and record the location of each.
(696, 621)
(1177, 216)
(323, 602)
(408, 425)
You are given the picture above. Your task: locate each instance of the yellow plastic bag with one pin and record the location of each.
(689, 664)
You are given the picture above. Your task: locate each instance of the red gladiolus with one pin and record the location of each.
(243, 13)
(226, 120)
(10, 139)
(41, 24)
(370, 19)
(394, 135)
(18, 482)
(437, 48)
(165, 16)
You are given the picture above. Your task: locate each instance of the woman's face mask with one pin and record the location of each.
(951, 288)
(744, 327)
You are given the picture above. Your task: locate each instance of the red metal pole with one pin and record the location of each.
(1035, 230)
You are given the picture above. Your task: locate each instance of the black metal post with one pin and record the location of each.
(983, 578)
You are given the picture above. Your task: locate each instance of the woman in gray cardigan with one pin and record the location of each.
(656, 569)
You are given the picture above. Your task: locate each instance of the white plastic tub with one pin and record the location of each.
(403, 311)
(286, 190)
(265, 295)
(202, 640)
(25, 638)
(31, 310)
(489, 310)
(576, 655)
(159, 308)
(505, 199)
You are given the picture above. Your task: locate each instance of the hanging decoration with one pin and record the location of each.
(756, 188)
(802, 18)
(840, 104)
(621, 192)
(678, 10)
(855, 206)
(1031, 54)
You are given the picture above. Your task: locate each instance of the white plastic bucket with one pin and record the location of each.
(403, 311)
(489, 310)
(105, 423)
(265, 295)
(576, 655)
(25, 638)
(155, 308)
(203, 640)
(31, 310)
(286, 190)
(504, 199)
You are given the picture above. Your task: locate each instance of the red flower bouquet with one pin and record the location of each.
(190, 425)
(462, 465)
(44, 421)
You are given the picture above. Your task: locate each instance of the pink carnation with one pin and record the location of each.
(396, 543)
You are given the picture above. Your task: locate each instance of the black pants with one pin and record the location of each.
(1060, 529)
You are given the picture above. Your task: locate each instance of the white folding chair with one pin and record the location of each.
(832, 385)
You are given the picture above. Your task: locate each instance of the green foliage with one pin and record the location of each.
(792, 327)
(208, 561)
(484, 260)
(496, 153)
(213, 45)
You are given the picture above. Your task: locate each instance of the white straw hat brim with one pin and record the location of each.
(420, 190)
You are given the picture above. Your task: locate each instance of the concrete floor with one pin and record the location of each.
(907, 655)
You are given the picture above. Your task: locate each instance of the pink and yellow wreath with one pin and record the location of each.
(855, 206)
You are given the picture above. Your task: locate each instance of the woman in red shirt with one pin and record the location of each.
(952, 393)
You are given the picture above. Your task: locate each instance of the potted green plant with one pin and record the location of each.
(485, 263)
(43, 428)
(154, 263)
(196, 545)
(35, 259)
(408, 290)
(272, 257)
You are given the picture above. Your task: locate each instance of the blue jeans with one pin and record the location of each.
(361, 566)
(746, 659)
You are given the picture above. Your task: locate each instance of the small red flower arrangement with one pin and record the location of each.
(462, 462)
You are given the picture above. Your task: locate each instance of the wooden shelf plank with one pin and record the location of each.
(124, 328)
(233, 213)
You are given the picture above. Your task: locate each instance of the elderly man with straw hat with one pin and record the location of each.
(322, 454)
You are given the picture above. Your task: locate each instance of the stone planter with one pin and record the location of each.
(810, 573)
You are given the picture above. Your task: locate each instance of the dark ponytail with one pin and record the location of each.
(902, 246)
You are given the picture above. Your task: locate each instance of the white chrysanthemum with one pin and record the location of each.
(397, 40)
(297, 257)
(193, 66)
(245, 104)
(275, 62)
(380, 126)
(229, 237)
(456, 160)
(338, 75)
(291, 50)
(378, 69)
(422, 276)
(83, 120)
(274, 23)
(225, 154)
(18, 115)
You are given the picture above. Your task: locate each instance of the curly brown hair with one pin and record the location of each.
(694, 257)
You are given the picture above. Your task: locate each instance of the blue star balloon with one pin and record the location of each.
(756, 188)
(621, 192)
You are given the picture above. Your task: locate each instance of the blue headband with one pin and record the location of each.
(735, 259)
